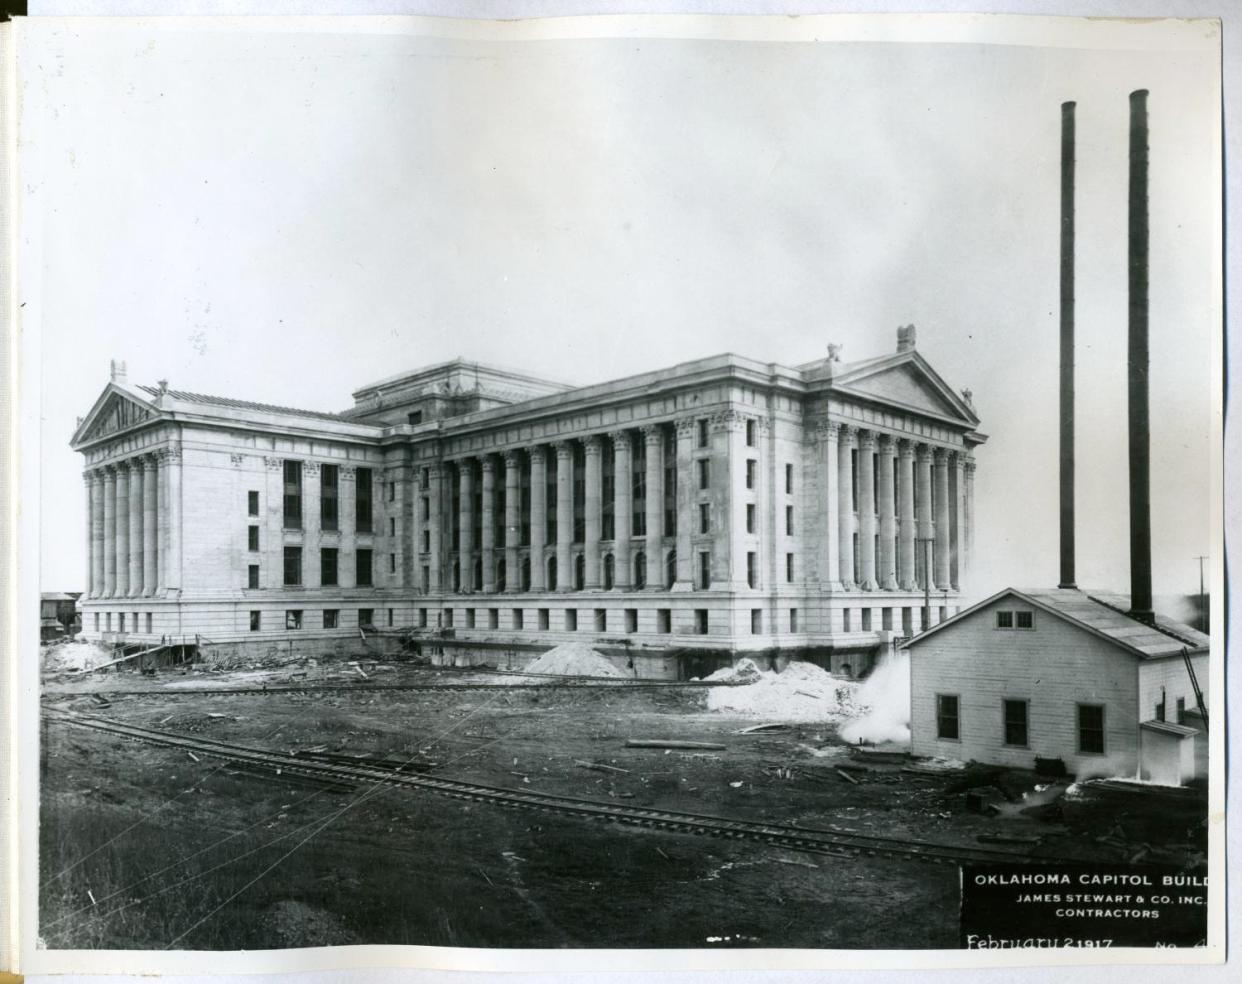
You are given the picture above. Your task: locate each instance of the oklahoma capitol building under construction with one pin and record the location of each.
(672, 520)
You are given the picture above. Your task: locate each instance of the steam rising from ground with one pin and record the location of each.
(884, 702)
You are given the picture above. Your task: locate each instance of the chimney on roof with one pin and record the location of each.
(1139, 361)
(118, 372)
(1067, 346)
(905, 338)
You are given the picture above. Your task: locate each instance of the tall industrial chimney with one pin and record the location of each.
(1139, 361)
(1067, 345)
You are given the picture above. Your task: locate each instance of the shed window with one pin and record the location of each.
(1004, 620)
(1025, 620)
(1016, 723)
(1091, 729)
(947, 724)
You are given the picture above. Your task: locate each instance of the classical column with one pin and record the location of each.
(109, 532)
(513, 520)
(621, 517)
(435, 525)
(150, 541)
(845, 502)
(866, 509)
(941, 474)
(93, 492)
(905, 496)
(923, 509)
(488, 532)
(162, 525)
(653, 437)
(969, 510)
(564, 516)
(122, 529)
(97, 533)
(538, 517)
(957, 524)
(172, 459)
(594, 511)
(137, 469)
(887, 559)
(687, 495)
(828, 507)
(465, 520)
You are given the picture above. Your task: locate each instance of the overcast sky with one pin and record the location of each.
(286, 217)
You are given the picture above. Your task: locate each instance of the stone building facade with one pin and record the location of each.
(674, 519)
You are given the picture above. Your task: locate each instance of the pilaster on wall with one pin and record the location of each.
(687, 499)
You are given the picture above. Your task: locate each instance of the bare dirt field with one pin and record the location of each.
(149, 847)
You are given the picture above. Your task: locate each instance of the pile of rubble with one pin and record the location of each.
(574, 659)
(800, 692)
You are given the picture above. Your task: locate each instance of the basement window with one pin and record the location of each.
(517, 618)
(601, 620)
(571, 620)
(422, 618)
(366, 616)
(700, 621)
(331, 618)
(256, 621)
(493, 618)
(631, 620)
(756, 621)
(664, 620)
(543, 619)
(293, 619)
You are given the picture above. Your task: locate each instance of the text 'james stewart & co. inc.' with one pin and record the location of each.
(1035, 906)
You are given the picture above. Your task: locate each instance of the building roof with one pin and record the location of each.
(1101, 613)
(1169, 728)
(57, 596)
(231, 404)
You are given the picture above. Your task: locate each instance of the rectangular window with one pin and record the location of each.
(293, 619)
(752, 472)
(752, 576)
(793, 620)
(426, 541)
(1016, 723)
(1091, 729)
(631, 620)
(426, 578)
(366, 616)
(789, 520)
(392, 525)
(390, 618)
(702, 433)
(750, 433)
(1004, 620)
(422, 618)
(1025, 620)
(392, 491)
(362, 563)
(750, 517)
(327, 567)
(519, 618)
(947, 723)
(789, 567)
(571, 620)
(252, 502)
(108, 621)
(414, 417)
(601, 620)
(470, 618)
(392, 563)
(700, 621)
(293, 566)
(756, 621)
(97, 621)
(705, 517)
(329, 483)
(448, 618)
(331, 618)
(293, 495)
(252, 538)
(866, 619)
(425, 509)
(256, 621)
(493, 618)
(148, 623)
(846, 622)
(705, 473)
(886, 619)
(705, 569)
(789, 479)
(252, 577)
(362, 499)
(543, 619)
(664, 620)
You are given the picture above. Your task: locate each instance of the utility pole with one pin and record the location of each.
(1203, 612)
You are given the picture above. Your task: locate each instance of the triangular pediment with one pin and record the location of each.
(911, 384)
(114, 411)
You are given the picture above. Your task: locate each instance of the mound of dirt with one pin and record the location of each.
(743, 671)
(71, 657)
(574, 659)
(801, 692)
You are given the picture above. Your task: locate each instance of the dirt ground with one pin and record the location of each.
(144, 847)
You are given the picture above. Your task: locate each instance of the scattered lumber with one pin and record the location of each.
(1007, 839)
(757, 728)
(668, 743)
(600, 766)
(847, 777)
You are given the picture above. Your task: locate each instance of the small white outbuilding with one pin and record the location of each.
(1061, 674)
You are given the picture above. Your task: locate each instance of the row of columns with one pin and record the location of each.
(132, 508)
(594, 447)
(904, 478)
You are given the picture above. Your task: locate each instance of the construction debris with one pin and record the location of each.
(666, 743)
(847, 777)
(600, 766)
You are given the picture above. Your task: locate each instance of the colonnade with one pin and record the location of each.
(132, 511)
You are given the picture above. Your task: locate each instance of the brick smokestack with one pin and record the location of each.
(1067, 345)
(1139, 361)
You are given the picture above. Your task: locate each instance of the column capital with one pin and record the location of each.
(435, 470)
(93, 476)
(725, 420)
(488, 463)
(652, 433)
(273, 463)
(620, 438)
(866, 440)
(905, 447)
(592, 444)
(564, 450)
(848, 434)
(940, 454)
(969, 464)
(685, 426)
(138, 463)
(923, 452)
(538, 454)
(887, 443)
(830, 429)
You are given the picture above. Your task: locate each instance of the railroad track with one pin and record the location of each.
(837, 843)
(365, 688)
